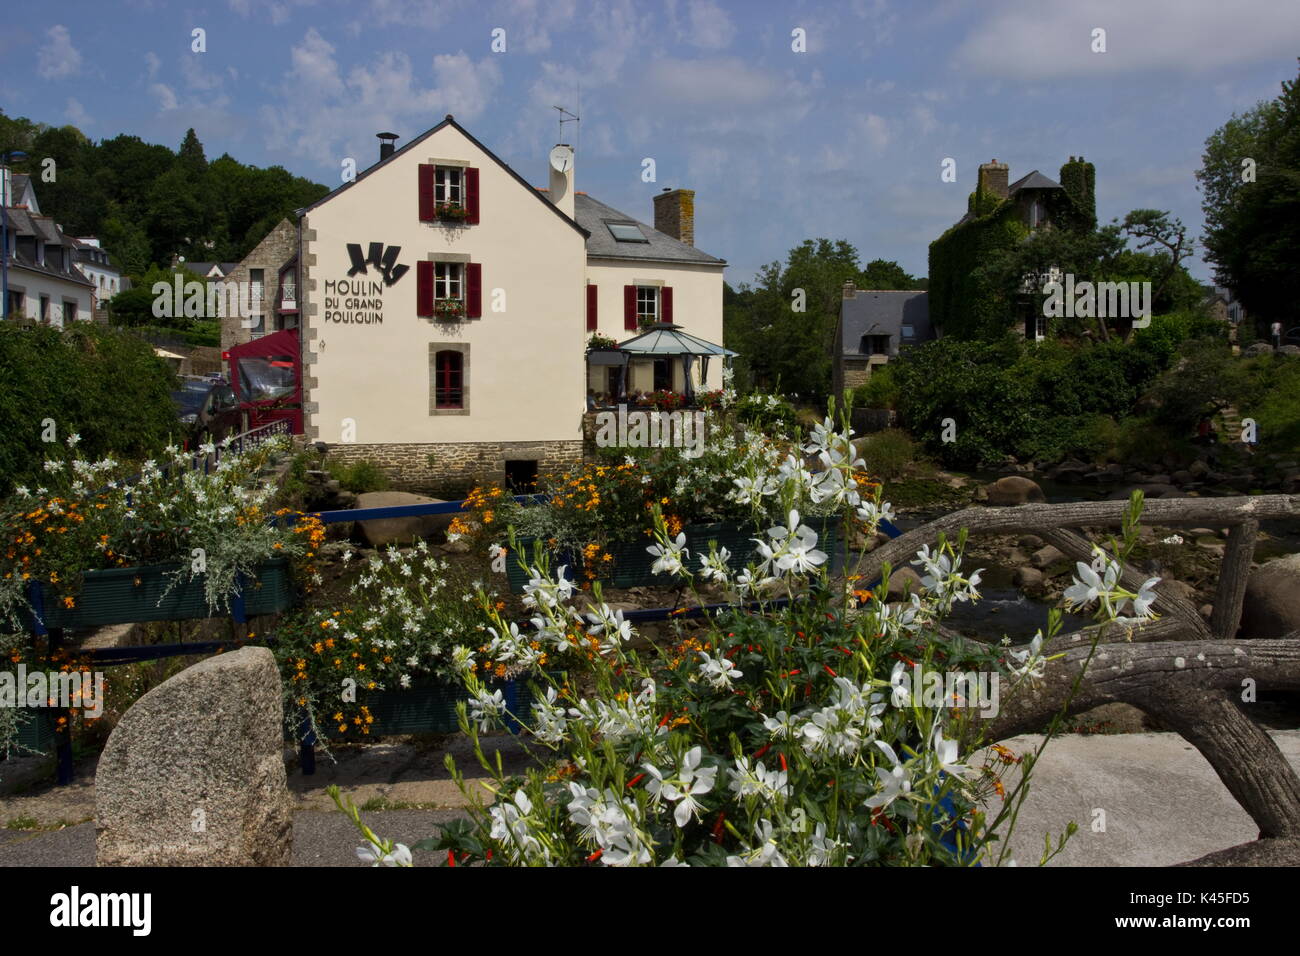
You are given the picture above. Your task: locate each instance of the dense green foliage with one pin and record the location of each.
(1043, 401)
(965, 301)
(780, 345)
(147, 203)
(103, 384)
(1253, 227)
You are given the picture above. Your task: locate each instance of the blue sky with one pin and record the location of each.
(844, 140)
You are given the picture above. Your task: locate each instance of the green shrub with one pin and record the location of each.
(359, 477)
(103, 384)
(879, 391)
(888, 453)
(1144, 439)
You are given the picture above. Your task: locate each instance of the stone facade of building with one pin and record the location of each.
(270, 256)
(450, 469)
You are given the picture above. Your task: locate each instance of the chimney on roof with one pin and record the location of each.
(993, 178)
(850, 289)
(675, 214)
(386, 145)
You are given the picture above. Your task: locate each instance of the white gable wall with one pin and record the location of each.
(525, 364)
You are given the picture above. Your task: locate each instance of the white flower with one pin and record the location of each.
(1172, 539)
(895, 783)
(713, 566)
(718, 671)
(1146, 596)
(689, 782)
(900, 694)
(73, 439)
(668, 556)
(781, 725)
(400, 855)
(1031, 660)
(485, 706)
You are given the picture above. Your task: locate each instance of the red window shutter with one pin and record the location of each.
(591, 308)
(473, 290)
(427, 211)
(424, 289)
(471, 194)
(629, 307)
(666, 304)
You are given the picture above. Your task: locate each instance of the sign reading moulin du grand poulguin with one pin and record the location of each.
(360, 301)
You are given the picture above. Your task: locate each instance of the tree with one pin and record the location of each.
(883, 274)
(1250, 176)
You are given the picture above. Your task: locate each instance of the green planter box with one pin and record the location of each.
(126, 595)
(37, 732)
(430, 707)
(632, 562)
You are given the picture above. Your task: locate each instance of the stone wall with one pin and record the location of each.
(449, 469)
(269, 255)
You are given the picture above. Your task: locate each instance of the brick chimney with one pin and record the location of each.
(675, 214)
(993, 178)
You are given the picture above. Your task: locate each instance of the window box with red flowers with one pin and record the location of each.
(452, 212)
(449, 309)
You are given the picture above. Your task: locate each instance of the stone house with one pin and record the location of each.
(44, 283)
(998, 215)
(270, 274)
(446, 304)
(874, 327)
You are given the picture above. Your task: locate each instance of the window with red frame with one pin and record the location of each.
(449, 384)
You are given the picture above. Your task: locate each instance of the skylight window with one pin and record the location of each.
(626, 232)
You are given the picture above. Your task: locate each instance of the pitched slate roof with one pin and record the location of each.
(203, 268)
(448, 121)
(594, 216)
(1034, 180)
(872, 312)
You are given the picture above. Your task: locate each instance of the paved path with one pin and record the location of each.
(1162, 803)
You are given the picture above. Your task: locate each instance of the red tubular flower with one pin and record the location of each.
(451, 857)
(717, 828)
(595, 856)
(827, 669)
(666, 718)
(635, 780)
(762, 750)
(781, 756)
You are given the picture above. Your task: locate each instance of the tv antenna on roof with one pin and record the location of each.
(567, 117)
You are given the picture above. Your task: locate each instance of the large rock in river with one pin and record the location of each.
(381, 532)
(1272, 605)
(1014, 490)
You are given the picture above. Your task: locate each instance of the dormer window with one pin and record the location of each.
(626, 232)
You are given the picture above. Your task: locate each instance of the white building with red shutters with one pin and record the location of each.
(446, 305)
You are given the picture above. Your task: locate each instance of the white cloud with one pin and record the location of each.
(58, 57)
(346, 110)
(464, 87)
(152, 63)
(1038, 41)
(197, 78)
(166, 98)
(76, 114)
(710, 27)
(875, 128)
(721, 84)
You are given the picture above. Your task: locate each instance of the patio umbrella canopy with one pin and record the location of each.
(664, 338)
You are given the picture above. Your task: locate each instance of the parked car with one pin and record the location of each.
(208, 411)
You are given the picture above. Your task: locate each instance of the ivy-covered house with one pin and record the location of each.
(998, 215)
